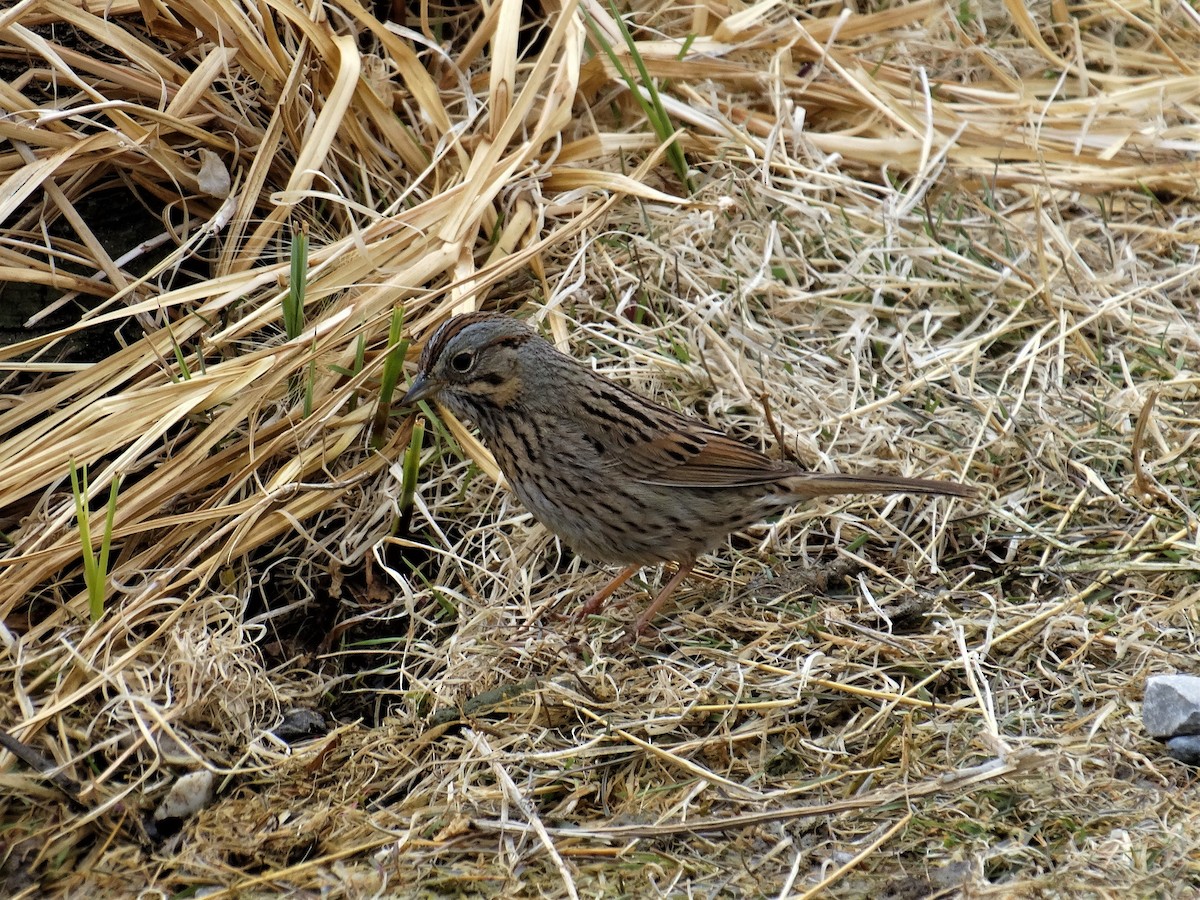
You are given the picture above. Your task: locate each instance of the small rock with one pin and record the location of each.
(213, 177)
(174, 752)
(299, 724)
(1171, 705)
(1185, 748)
(188, 795)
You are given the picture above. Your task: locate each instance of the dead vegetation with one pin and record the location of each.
(957, 240)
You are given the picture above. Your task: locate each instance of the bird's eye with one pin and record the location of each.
(462, 362)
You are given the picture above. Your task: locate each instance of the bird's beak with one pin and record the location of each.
(420, 388)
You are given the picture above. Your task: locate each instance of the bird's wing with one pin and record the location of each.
(702, 459)
(654, 445)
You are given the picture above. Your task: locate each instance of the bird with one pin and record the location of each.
(619, 478)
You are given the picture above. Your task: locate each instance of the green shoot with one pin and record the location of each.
(410, 469)
(180, 358)
(650, 102)
(293, 300)
(393, 365)
(309, 384)
(95, 566)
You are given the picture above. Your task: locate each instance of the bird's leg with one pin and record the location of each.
(685, 569)
(593, 606)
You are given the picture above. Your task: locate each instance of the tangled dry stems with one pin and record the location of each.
(963, 246)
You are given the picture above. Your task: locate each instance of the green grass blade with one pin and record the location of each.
(293, 300)
(411, 470)
(393, 366)
(650, 101)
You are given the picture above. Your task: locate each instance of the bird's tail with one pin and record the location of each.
(818, 484)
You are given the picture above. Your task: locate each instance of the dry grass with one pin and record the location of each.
(954, 240)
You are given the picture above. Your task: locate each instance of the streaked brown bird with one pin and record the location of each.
(619, 478)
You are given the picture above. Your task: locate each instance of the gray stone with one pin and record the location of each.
(187, 796)
(299, 724)
(1171, 706)
(1185, 748)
